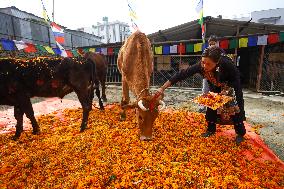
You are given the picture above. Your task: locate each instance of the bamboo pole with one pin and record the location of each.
(259, 72)
(236, 49)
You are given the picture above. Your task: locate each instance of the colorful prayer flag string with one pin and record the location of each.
(44, 13)
(133, 16)
(199, 10)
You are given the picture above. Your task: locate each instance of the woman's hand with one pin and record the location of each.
(163, 88)
(160, 91)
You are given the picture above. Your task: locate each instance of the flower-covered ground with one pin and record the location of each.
(110, 155)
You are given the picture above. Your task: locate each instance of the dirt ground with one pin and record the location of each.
(265, 113)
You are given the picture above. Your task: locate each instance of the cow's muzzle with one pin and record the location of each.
(142, 107)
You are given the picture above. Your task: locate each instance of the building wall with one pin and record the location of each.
(266, 16)
(257, 15)
(110, 32)
(19, 25)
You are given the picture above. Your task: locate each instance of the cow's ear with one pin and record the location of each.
(130, 106)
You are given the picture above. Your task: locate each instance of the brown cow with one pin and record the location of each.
(101, 70)
(135, 63)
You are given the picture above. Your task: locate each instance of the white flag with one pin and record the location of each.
(63, 52)
(104, 51)
(20, 44)
(262, 40)
(173, 49)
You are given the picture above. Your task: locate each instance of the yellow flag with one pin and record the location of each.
(44, 14)
(133, 15)
(49, 49)
(243, 42)
(92, 50)
(159, 50)
(197, 47)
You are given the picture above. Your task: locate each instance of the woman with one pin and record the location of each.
(223, 77)
(212, 41)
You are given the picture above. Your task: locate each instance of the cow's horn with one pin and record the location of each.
(163, 105)
(140, 104)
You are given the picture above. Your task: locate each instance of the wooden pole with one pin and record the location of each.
(205, 28)
(153, 78)
(53, 11)
(259, 72)
(236, 49)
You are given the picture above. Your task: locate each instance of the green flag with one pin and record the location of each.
(281, 36)
(116, 50)
(189, 48)
(233, 43)
(75, 53)
(41, 49)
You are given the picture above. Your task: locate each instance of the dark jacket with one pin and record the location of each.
(228, 73)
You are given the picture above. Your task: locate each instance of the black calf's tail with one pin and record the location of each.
(95, 83)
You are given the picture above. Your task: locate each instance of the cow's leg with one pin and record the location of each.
(27, 108)
(125, 98)
(103, 84)
(99, 95)
(18, 114)
(85, 99)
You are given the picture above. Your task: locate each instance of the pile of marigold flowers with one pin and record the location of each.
(110, 155)
(212, 100)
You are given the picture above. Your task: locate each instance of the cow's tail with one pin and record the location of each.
(94, 80)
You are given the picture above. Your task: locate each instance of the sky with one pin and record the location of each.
(153, 15)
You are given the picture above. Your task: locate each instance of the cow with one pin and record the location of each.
(101, 71)
(21, 79)
(135, 63)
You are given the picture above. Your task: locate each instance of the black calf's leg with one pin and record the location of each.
(27, 108)
(103, 84)
(18, 114)
(100, 100)
(86, 102)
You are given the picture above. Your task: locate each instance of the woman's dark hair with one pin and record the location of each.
(213, 52)
(213, 38)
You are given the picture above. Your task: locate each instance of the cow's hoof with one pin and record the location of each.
(144, 138)
(104, 99)
(36, 132)
(83, 129)
(102, 108)
(15, 137)
(122, 116)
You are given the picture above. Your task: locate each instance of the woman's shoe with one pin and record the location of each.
(239, 139)
(208, 134)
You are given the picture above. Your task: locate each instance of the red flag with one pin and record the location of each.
(110, 51)
(60, 39)
(30, 48)
(181, 48)
(80, 51)
(224, 44)
(69, 53)
(273, 38)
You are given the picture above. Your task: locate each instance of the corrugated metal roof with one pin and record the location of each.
(214, 26)
(14, 11)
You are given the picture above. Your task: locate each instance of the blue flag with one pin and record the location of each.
(8, 45)
(166, 49)
(98, 50)
(204, 46)
(252, 41)
(57, 51)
